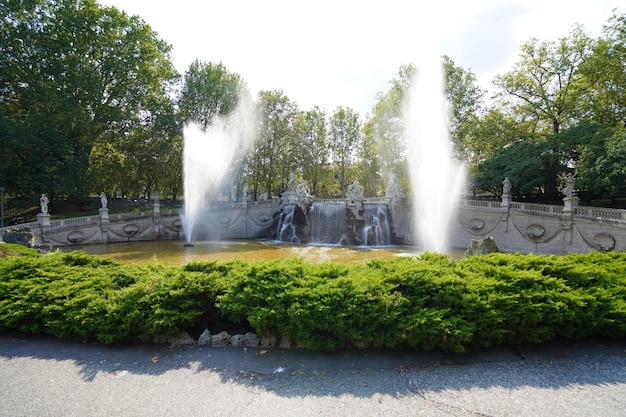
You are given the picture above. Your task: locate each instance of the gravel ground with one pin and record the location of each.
(44, 376)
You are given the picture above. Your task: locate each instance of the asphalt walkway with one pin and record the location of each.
(44, 376)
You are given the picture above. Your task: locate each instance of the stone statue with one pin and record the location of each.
(303, 197)
(568, 190)
(303, 189)
(292, 184)
(103, 200)
(355, 191)
(506, 186)
(392, 182)
(43, 202)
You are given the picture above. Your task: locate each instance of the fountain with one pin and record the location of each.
(436, 181)
(287, 231)
(328, 223)
(377, 227)
(208, 155)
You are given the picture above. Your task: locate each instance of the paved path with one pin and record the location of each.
(43, 376)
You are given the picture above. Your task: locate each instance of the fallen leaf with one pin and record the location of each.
(155, 359)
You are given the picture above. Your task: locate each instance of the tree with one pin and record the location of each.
(486, 135)
(600, 155)
(386, 124)
(605, 72)
(368, 163)
(532, 167)
(78, 70)
(30, 159)
(208, 90)
(546, 86)
(313, 147)
(344, 135)
(271, 161)
(464, 95)
(138, 162)
(386, 127)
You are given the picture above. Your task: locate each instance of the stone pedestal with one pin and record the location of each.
(570, 204)
(157, 208)
(104, 214)
(567, 219)
(290, 197)
(506, 201)
(44, 220)
(504, 211)
(104, 224)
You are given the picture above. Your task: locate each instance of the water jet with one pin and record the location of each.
(436, 180)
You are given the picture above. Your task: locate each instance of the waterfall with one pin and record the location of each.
(286, 226)
(328, 223)
(377, 228)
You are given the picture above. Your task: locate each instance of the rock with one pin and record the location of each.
(245, 340)
(178, 339)
(285, 342)
(482, 247)
(362, 344)
(235, 340)
(205, 338)
(268, 341)
(250, 340)
(221, 339)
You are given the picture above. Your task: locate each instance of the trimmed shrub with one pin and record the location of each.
(420, 303)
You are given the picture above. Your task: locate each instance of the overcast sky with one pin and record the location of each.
(343, 52)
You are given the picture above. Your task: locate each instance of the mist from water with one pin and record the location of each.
(436, 179)
(209, 155)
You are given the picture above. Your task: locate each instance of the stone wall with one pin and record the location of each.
(539, 228)
(228, 220)
(515, 227)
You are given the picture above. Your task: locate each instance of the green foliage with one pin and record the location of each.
(73, 74)
(209, 90)
(422, 303)
(545, 85)
(13, 249)
(532, 167)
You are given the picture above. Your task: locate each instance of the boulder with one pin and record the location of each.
(221, 339)
(482, 247)
(178, 339)
(205, 338)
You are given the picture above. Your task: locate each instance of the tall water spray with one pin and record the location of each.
(436, 180)
(208, 156)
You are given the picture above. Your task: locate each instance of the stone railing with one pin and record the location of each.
(536, 208)
(600, 213)
(496, 205)
(130, 215)
(593, 213)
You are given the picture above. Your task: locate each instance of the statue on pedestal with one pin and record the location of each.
(568, 190)
(103, 200)
(355, 191)
(292, 184)
(506, 186)
(43, 202)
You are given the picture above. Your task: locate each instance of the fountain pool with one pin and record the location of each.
(173, 251)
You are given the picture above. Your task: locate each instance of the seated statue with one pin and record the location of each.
(304, 198)
(292, 184)
(392, 182)
(355, 191)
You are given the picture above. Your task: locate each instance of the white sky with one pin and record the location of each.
(343, 52)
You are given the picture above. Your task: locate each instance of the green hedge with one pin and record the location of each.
(419, 303)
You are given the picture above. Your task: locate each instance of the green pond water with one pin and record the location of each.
(174, 252)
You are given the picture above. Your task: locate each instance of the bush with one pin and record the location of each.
(422, 303)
